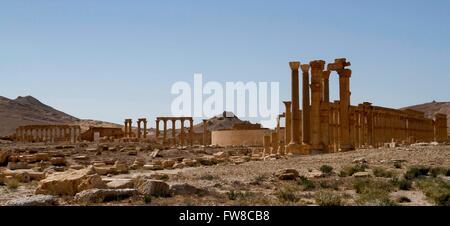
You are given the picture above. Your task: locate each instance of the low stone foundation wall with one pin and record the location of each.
(239, 137)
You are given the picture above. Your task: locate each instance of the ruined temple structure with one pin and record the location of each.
(95, 133)
(244, 133)
(182, 134)
(323, 126)
(141, 132)
(48, 133)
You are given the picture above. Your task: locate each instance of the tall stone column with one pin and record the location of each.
(205, 132)
(326, 86)
(165, 131)
(174, 131)
(145, 128)
(157, 130)
(191, 131)
(182, 132)
(126, 128)
(369, 115)
(288, 120)
(139, 129)
(306, 106)
(316, 93)
(295, 144)
(344, 93)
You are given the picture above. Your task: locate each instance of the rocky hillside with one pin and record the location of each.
(30, 111)
(434, 107)
(226, 120)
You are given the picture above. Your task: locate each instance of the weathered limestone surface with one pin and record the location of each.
(101, 195)
(35, 200)
(152, 187)
(70, 182)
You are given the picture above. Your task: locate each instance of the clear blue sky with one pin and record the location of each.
(110, 60)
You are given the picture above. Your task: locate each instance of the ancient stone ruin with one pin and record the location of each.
(323, 126)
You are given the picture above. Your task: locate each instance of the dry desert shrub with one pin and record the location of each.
(327, 198)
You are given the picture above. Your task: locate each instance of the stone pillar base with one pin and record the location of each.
(299, 149)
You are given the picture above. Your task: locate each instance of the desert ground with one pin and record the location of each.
(148, 174)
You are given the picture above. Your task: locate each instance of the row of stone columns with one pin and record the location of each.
(372, 126)
(315, 125)
(48, 133)
(127, 130)
(338, 126)
(181, 139)
(141, 131)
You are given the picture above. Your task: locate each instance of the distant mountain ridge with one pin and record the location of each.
(433, 107)
(28, 110)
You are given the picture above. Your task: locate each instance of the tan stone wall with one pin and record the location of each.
(239, 137)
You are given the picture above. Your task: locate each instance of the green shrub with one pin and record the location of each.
(306, 184)
(381, 172)
(434, 172)
(324, 198)
(12, 184)
(259, 179)
(435, 189)
(238, 195)
(287, 194)
(326, 169)
(147, 199)
(402, 184)
(329, 184)
(417, 171)
(348, 171)
(387, 202)
(372, 191)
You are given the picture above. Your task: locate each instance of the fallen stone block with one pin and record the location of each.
(18, 165)
(119, 183)
(105, 170)
(104, 195)
(58, 161)
(152, 187)
(153, 167)
(70, 182)
(287, 174)
(36, 200)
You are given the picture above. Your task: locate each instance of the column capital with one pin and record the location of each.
(338, 64)
(305, 68)
(295, 65)
(326, 75)
(344, 73)
(317, 64)
(287, 103)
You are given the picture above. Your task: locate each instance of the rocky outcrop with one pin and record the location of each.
(70, 182)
